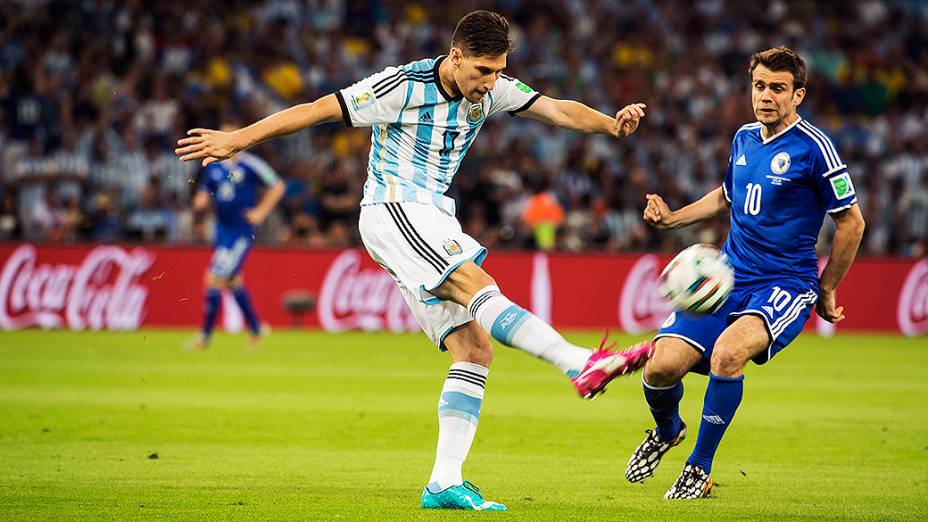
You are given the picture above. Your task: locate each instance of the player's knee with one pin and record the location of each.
(667, 365)
(727, 361)
(477, 352)
(661, 373)
(470, 343)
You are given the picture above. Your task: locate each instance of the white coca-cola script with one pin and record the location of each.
(912, 311)
(101, 291)
(354, 297)
(641, 305)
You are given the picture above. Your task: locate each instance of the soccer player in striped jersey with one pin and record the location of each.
(425, 116)
(784, 176)
(233, 184)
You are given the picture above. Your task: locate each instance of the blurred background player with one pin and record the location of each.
(784, 176)
(425, 116)
(234, 184)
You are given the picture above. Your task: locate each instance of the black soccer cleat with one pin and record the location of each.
(648, 455)
(694, 482)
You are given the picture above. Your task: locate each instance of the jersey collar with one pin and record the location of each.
(777, 135)
(438, 84)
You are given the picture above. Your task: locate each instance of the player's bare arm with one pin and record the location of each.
(658, 214)
(849, 230)
(211, 145)
(573, 115)
(268, 201)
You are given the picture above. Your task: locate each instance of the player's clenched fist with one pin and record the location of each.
(627, 119)
(656, 212)
(208, 145)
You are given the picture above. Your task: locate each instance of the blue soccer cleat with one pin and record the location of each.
(466, 496)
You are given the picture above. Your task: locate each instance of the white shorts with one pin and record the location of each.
(419, 246)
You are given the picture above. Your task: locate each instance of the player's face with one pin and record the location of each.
(476, 75)
(773, 96)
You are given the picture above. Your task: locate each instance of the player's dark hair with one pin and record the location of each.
(782, 58)
(482, 33)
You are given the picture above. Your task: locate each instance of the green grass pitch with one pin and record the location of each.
(324, 427)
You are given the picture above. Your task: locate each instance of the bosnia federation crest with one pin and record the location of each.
(452, 247)
(237, 176)
(475, 114)
(780, 163)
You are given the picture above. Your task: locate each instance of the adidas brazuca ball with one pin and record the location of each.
(698, 280)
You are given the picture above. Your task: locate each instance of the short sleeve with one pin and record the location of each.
(727, 184)
(379, 98)
(830, 175)
(511, 95)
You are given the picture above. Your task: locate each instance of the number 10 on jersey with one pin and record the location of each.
(752, 199)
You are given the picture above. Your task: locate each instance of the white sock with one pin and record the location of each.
(458, 413)
(514, 326)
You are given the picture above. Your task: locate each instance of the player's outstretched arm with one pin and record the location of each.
(573, 115)
(659, 215)
(212, 145)
(849, 230)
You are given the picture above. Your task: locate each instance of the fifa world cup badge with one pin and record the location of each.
(780, 163)
(359, 101)
(841, 185)
(475, 114)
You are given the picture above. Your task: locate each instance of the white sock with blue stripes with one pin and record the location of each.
(512, 325)
(458, 413)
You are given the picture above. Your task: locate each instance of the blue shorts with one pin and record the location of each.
(785, 305)
(229, 255)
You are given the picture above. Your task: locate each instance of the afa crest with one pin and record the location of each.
(475, 114)
(452, 247)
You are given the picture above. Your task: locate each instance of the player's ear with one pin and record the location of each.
(799, 95)
(455, 56)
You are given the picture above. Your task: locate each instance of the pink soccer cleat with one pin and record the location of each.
(605, 365)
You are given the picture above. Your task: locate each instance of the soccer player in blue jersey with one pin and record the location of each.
(425, 115)
(783, 177)
(234, 184)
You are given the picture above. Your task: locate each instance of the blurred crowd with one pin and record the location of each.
(95, 92)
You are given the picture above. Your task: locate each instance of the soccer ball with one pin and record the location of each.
(698, 280)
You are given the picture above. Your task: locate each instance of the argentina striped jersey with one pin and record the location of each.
(420, 132)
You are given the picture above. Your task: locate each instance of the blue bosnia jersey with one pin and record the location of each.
(780, 189)
(233, 184)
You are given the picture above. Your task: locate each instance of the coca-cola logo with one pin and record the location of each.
(641, 305)
(354, 297)
(100, 292)
(912, 312)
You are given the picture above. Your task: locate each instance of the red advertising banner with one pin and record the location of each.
(127, 287)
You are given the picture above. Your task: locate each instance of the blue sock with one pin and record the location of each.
(722, 399)
(665, 408)
(211, 305)
(244, 302)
